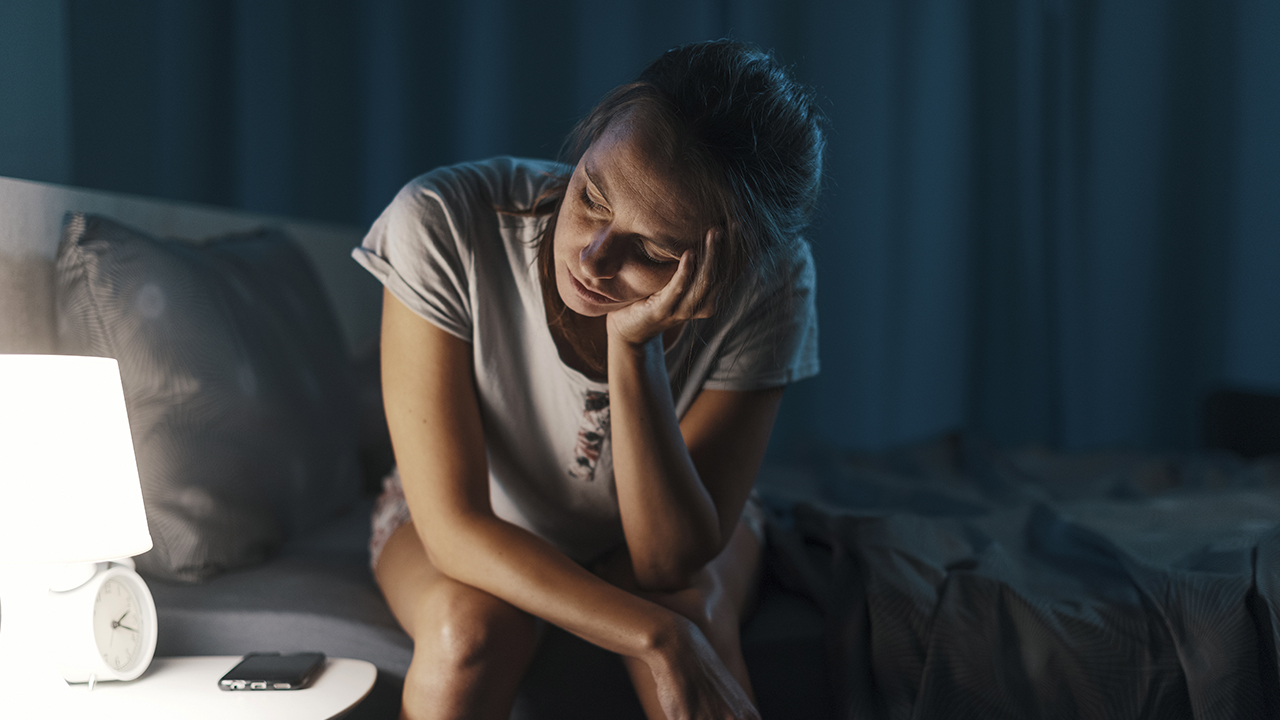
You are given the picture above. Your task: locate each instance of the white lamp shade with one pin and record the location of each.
(69, 489)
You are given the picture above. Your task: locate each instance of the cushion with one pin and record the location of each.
(237, 382)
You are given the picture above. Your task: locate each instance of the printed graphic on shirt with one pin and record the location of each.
(591, 436)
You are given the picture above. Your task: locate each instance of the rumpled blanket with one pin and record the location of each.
(960, 582)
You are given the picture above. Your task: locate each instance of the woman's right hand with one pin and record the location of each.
(693, 683)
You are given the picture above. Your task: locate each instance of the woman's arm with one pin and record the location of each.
(681, 486)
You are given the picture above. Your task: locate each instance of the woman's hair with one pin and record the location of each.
(744, 137)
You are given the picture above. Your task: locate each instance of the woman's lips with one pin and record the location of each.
(590, 295)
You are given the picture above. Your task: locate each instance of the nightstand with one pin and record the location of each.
(187, 687)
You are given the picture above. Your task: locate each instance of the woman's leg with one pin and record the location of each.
(722, 594)
(470, 649)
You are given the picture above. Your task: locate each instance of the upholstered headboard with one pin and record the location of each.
(31, 216)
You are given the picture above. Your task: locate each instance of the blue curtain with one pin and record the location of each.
(1044, 221)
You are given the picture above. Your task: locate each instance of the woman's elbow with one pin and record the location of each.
(445, 542)
(670, 573)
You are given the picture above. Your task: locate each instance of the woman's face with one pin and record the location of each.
(622, 226)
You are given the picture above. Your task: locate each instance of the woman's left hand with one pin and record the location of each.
(686, 296)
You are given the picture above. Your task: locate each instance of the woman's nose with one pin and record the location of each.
(599, 257)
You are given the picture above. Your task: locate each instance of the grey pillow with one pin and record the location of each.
(237, 381)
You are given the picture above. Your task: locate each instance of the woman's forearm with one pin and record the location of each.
(511, 563)
(671, 522)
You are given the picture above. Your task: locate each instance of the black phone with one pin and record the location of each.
(273, 671)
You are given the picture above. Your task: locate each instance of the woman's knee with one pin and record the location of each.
(461, 627)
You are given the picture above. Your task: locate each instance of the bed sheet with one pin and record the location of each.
(957, 581)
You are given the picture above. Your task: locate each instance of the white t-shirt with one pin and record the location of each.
(443, 249)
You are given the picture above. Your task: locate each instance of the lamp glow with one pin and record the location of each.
(69, 488)
(69, 493)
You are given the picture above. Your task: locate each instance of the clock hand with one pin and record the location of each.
(126, 627)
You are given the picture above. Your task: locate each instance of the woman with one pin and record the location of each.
(581, 367)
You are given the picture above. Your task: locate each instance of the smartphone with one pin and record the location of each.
(273, 671)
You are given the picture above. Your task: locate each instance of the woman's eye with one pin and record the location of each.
(649, 257)
(591, 204)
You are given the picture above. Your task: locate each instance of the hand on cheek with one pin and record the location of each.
(686, 296)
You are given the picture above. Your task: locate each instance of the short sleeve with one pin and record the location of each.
(415, 249)
(773, 337)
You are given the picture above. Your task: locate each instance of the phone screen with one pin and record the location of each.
(273, 671)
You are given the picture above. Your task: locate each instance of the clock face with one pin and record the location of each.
(117, 624)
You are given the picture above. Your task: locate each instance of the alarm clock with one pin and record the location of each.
(102, 622)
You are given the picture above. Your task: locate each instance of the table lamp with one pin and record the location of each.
(69, 493)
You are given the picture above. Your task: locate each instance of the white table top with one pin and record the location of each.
(187, 687)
